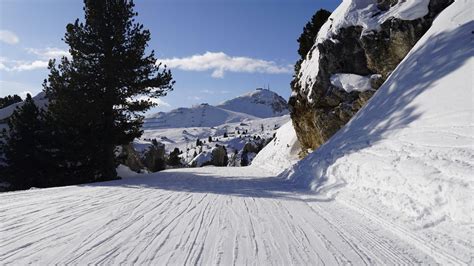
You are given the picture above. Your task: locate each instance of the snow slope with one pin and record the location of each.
(410, 150)
(281, 152)
(203, 115)
(261, 103)
(204, 216)
(39, 99)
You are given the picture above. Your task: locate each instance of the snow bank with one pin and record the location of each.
(124, 171)
(411, 148)
(281, 152)
(351, 82)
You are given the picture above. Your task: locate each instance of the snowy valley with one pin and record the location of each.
(368, 163)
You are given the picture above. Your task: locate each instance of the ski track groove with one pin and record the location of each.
(113, 223)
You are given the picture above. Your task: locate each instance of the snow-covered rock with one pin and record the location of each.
(361, 39)
(410, 150)
(352, 82)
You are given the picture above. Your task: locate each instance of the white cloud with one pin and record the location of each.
(219, 63)
(49, 52)
(17, 65)
(43, 55)
(37, 64)
(8, 37)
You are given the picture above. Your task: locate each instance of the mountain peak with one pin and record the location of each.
(262, 103)
(259, 103)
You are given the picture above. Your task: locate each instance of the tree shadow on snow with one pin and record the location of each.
(208, 182)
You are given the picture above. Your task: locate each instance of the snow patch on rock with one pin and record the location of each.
(351, 82)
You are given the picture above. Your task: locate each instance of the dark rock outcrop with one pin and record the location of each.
(128, 156)
(152, 159)
(318, 110)
(219, 156)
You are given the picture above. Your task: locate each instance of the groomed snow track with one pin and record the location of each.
(206, 216)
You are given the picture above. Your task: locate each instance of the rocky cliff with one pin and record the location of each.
(358, 47)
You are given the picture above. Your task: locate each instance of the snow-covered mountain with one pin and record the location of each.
(203, 115)
(261, 103)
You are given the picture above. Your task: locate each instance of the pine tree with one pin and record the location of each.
(94, 97)
(24, 161)
(174, 159)
(310, 31)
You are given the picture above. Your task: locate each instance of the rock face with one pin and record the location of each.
(152, 159)
(128, 156)
(219, 156)
(319, 108)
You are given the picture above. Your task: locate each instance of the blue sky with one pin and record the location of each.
(216, 49)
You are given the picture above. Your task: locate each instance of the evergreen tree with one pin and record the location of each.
(94, 97)
(209, 139)
(174, 159)
(310, 31)
(9, 100)
(24, 164)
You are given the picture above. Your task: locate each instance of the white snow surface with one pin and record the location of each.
(410, 150)
(364, 13)
(351, 82)
(281, 152)
(204, 216)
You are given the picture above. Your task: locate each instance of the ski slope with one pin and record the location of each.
(205, 216)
